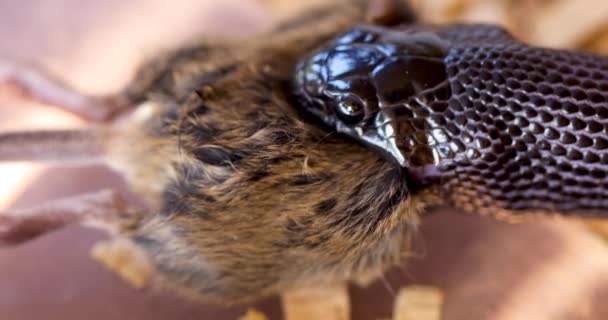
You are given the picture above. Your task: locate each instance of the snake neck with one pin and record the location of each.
(523, 129)
(494, 124)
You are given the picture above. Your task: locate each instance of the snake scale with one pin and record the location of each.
(493, 124)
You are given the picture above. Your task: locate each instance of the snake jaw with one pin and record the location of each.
(379, 134)
(377, 130)
(383, 136)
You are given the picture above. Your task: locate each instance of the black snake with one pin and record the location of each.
(490, 122)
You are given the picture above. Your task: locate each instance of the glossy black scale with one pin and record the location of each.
(364, 78)
(499, 125)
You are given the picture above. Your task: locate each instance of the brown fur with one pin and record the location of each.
(252, 199)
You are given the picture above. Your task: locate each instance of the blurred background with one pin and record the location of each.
(549, 269)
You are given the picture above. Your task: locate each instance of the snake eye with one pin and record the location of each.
(351, 110)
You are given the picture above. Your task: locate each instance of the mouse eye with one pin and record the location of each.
(351, 110)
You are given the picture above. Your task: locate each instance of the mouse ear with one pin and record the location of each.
(390, 12)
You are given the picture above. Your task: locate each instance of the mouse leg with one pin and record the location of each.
(34, 84)
(18, 226)
(174, 73)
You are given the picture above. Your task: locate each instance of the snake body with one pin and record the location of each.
(490, 122)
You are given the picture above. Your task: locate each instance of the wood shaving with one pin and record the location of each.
(328, 303)
(418, 303)
(125, 259)
(552, 23)
(253, 314)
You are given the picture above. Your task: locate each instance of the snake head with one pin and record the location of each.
(358, 82)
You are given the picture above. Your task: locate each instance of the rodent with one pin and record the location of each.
(246, 198)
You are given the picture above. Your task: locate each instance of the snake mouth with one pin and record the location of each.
(380, 134)
(377, 132)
